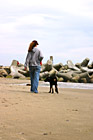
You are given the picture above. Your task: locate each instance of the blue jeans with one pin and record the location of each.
(34, 76)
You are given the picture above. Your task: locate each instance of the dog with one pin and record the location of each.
(52, 81)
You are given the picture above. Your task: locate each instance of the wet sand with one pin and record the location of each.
(44, 116)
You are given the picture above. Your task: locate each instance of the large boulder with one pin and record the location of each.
(85, 62)
(72, 66)
(17, 70)
(3, 72)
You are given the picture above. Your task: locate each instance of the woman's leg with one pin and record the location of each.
(31, 72)
(36, 78)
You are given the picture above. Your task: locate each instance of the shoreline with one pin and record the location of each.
(70, 85)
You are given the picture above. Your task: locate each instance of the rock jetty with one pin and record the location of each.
(79, 72)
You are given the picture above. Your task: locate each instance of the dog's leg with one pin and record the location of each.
(56, 88)
(50, 88)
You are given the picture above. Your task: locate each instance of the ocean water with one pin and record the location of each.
(69, 85)
(65, 85)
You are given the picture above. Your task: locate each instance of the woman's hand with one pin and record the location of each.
(41, 63)
(25, 68)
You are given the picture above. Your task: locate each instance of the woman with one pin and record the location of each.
(33, 60)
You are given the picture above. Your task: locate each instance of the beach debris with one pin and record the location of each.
(21, 133)
(45, 133)
(74, 109)
(67, 120)
(49, 133)
(28, 84)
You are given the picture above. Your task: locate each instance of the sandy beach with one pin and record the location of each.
(44, 116)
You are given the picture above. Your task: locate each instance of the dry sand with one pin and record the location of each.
(44, 116)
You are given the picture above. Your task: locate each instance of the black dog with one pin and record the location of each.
(52, 81)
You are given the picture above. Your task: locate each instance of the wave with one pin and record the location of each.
(69, 85)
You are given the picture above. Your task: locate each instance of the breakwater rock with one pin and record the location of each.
(79, 72)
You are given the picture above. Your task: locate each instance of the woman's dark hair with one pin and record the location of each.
(32, 45)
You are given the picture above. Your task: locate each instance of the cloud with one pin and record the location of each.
(77, 55)
(62, 28)
(74, 7)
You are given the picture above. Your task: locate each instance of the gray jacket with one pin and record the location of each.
(33, 58)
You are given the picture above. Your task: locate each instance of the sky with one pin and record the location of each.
(63, 29)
